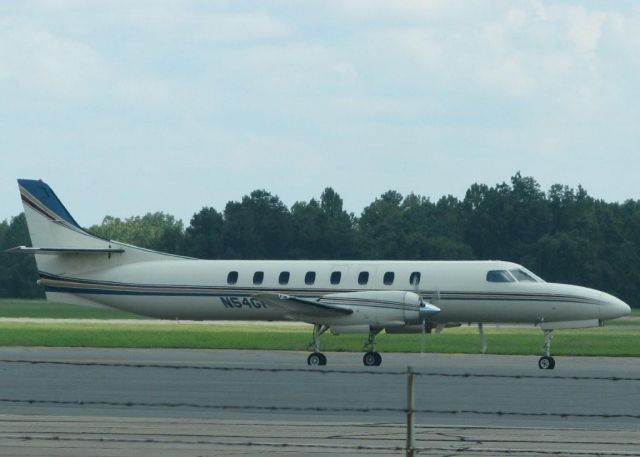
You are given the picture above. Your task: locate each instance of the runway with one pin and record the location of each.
(213, 402)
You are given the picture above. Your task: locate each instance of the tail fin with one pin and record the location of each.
(50, 223)
(38, 196)
(60, 243)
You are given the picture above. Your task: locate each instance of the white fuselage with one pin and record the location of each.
(209, 290)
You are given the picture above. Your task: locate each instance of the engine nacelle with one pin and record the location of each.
(376, 308)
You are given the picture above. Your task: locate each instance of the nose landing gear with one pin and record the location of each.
(547, 362)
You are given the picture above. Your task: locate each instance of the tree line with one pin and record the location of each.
(563, 234)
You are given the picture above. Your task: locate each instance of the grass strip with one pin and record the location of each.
(45, 309)
(584, 342)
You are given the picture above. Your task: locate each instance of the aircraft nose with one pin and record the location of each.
(613, 308)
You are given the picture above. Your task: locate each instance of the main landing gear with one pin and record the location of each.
(317, 358)
(547, 362)
(372, 358)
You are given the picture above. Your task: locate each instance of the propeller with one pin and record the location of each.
(483, 339)
(425, 310)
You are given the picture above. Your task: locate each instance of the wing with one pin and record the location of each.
(300, 306)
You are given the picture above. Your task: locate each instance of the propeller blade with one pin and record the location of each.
(425, 311)
(483, 339)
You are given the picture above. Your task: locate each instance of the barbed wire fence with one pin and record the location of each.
(409, 410)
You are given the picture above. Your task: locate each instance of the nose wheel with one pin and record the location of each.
(547, 362)
(372, 358)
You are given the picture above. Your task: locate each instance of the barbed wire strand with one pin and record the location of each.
(378, 437)
(318, 409)
(342, 447)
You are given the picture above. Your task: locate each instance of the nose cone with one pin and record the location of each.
(427, 310)
(613, 307)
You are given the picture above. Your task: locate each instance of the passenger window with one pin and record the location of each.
(388, 278)
(310, 278)
(499, 276)
(414, 278)
(258, 277)
(232, 277)
(363, 278)
(335, 277)
(284, 277)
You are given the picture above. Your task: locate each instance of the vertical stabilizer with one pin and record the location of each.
(50, 223)
(60, 241)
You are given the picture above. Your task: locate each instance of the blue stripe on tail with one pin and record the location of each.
(45, 195)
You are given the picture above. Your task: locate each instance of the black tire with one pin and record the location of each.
(316, 359)
(378, 358)
(546, 363)
(370, 359)
(323, 359)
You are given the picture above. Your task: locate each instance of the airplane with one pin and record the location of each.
(342, 296)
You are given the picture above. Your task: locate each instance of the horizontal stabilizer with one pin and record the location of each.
(303, 306)
(58, 251)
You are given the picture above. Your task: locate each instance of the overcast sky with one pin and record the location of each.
(126, 107)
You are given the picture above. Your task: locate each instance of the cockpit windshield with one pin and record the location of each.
(499, 276)
(513, 275)
(522, 275)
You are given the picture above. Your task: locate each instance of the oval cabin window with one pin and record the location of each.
(310, 278)
(335, 277)
(258, 277)
(363, 278)
(232, 277)
(284, 278)
(388, 278)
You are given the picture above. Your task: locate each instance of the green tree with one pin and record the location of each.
(503, 220)
(381, 229)
(204, 236)
(157, 231)
(323, 230)
(18, 272)
(258, 227)
(413, 228)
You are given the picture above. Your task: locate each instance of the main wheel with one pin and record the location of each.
(546, 363)
(323, 359)
(378, 358)
(371, 359)
(316, 359)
